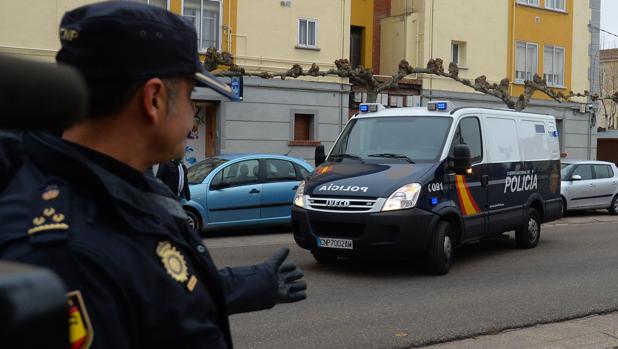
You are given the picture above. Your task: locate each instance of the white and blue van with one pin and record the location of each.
(419, 182)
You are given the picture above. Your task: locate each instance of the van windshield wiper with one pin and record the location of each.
(347, 156)
(394, 156)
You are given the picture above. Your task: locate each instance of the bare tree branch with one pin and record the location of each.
(365, 77)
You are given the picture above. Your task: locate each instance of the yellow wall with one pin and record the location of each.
(486, 53)
(581, 44)
(543, 27)
(267, 33)
(362, 16)
(29, 28)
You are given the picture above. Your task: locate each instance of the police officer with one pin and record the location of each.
(82, 206)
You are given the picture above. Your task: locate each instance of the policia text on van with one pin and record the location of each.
(422, 181)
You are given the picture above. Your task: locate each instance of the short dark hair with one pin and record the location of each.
(110, 97)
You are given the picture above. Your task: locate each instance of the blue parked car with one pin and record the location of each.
(240, 190)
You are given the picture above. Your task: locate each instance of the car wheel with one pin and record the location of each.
(441, 249)
(563, 207)
(324, 258)
(528, 235)
(613, 208)
(193, 220)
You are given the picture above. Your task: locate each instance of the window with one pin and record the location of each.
(585, 171)
(277, 170)
(555, 5)
(158, 3)
(303, 127)
(238, 174)
(529, 2)
(204, 14)
(553, 65)
(302, 171)
(307, 33)
(356, 46)
(198, 172)
(458, 53)
(526, 59)
(469, 133)
(603, 171)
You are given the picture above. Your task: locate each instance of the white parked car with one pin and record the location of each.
(589, 185)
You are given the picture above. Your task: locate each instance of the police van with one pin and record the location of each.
(419, 182)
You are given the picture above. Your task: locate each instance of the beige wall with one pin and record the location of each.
(486, 54)
(29, 28)
(268, 33)
(400, 39)
(581, 46)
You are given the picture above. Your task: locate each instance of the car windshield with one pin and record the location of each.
(406, 139)
(199, 171)
(566, 168)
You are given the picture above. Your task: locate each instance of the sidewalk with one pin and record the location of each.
(591, 332)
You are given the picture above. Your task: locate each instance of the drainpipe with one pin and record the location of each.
(342, 55)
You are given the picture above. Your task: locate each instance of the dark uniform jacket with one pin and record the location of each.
(168, 173)
(143, 278)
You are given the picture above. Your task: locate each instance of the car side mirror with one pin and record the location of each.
(319, 156)
(462, 160)
(576, 178)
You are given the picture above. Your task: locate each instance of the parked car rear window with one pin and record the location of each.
(199, 171)
(603, 171)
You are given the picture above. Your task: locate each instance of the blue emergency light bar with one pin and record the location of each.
(364, 108)
(370, 107)
(438, 106)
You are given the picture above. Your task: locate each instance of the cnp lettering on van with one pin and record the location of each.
(423, 181)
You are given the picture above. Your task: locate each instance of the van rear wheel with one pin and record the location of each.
(528, 235)
(441, 249)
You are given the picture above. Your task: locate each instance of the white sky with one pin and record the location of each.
(609, 22)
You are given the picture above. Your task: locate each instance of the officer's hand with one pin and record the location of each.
(290, 287)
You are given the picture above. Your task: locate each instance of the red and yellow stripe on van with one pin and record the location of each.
(466, 200)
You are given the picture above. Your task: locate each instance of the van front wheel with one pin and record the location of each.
(440, 254)
(528, 236)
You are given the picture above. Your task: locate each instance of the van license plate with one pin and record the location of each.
(335, 243)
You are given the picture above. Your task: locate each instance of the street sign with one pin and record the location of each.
(237, 85)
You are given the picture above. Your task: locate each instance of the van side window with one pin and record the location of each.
(468, 132)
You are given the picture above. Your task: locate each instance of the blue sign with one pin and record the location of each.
(237, 85)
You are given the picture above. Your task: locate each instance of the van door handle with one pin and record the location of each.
(254, 191)
(484, 180)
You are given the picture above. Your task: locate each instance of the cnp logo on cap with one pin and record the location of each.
(68, 34)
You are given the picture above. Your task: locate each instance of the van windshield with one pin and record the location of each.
(399, 139)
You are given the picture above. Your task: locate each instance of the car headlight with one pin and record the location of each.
(402, 198)
(299, 200)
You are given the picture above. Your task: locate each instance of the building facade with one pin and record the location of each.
(556, 39)
(284, 117)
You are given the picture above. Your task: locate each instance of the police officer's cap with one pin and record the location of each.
(129, 41)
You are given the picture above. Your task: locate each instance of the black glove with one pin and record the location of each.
(290, 288)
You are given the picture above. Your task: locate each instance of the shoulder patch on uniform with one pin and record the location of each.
(50, 215)
(81, 332)
(173, 261)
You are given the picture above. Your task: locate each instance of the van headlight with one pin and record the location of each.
(402, 198)
(299, 200)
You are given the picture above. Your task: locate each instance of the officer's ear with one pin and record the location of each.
(154, 99)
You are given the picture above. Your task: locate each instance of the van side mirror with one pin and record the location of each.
(319, 156)
(462, 160)
(576, 178)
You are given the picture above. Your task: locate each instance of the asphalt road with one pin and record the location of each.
(492, 286)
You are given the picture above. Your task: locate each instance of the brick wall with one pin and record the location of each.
(381, 9)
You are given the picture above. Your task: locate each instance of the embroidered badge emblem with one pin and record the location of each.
(80, 328)
(173, 261)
